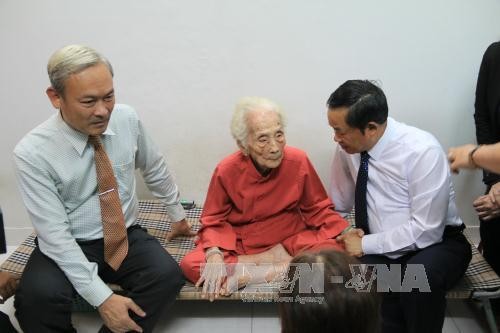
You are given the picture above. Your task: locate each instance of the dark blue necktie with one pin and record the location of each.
(361, 214)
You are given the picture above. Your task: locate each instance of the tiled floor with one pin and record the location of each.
(230, 316)
(235, 316)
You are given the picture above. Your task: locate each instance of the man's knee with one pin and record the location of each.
(43, 303)
(165, 278)
(44, 283)
(172, 275)
(444, 264)
(33, 292)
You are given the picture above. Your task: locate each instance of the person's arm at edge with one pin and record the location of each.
(471, 156)
(482, 117)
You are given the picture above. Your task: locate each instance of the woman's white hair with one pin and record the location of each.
(239, 122)
(70, 60)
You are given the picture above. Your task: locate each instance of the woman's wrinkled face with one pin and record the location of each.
(266, 139)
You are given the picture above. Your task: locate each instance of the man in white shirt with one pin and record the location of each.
(57, 174)
(404, 203)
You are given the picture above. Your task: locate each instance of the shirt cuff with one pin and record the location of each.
(96, 292)
(224, 238)
(371, 245)
(176, 212)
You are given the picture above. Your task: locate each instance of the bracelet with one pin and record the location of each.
(471, 156)
(211, 251)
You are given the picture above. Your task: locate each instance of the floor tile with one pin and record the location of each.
(265, 318)
(203, 316)
(467, 316)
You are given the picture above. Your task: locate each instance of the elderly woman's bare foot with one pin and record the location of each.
(234, 282)
(252, 274)
(279, 254)
(277, 272)
(276, 254)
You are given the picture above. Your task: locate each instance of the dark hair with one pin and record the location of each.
(365, 102)
(344, 310)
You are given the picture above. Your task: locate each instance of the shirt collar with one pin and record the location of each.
(378, 149)
(77, 139)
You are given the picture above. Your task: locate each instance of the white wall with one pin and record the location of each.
(183, 64)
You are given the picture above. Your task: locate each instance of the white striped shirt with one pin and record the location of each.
(57, 179)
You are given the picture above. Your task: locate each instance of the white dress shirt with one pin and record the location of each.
(57, 179)
(410, 197)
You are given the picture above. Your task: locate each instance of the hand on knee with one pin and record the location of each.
(115, 313)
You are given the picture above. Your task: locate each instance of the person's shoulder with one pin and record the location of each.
(493, 50)
(38, 138)
(123, 112)
(231, 166)
(124, 119)
(415, 139)
(295, 159)
(230, 161)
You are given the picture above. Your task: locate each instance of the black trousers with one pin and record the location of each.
(149, 276)
(490, 231)
(444, 264)
(5, 324)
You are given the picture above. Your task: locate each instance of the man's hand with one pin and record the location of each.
(486, 206)
(212, 276)
(352, 242)
(8, 285)
(181, 228)
(459, 157)
(114, 312)
(495, 194)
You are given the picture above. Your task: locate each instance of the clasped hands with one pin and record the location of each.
(352, 242)
(488, 206)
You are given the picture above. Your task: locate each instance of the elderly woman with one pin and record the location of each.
(265, 203)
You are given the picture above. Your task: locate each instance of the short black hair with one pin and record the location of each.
(365, 101)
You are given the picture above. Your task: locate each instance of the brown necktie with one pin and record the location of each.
(113, 222)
